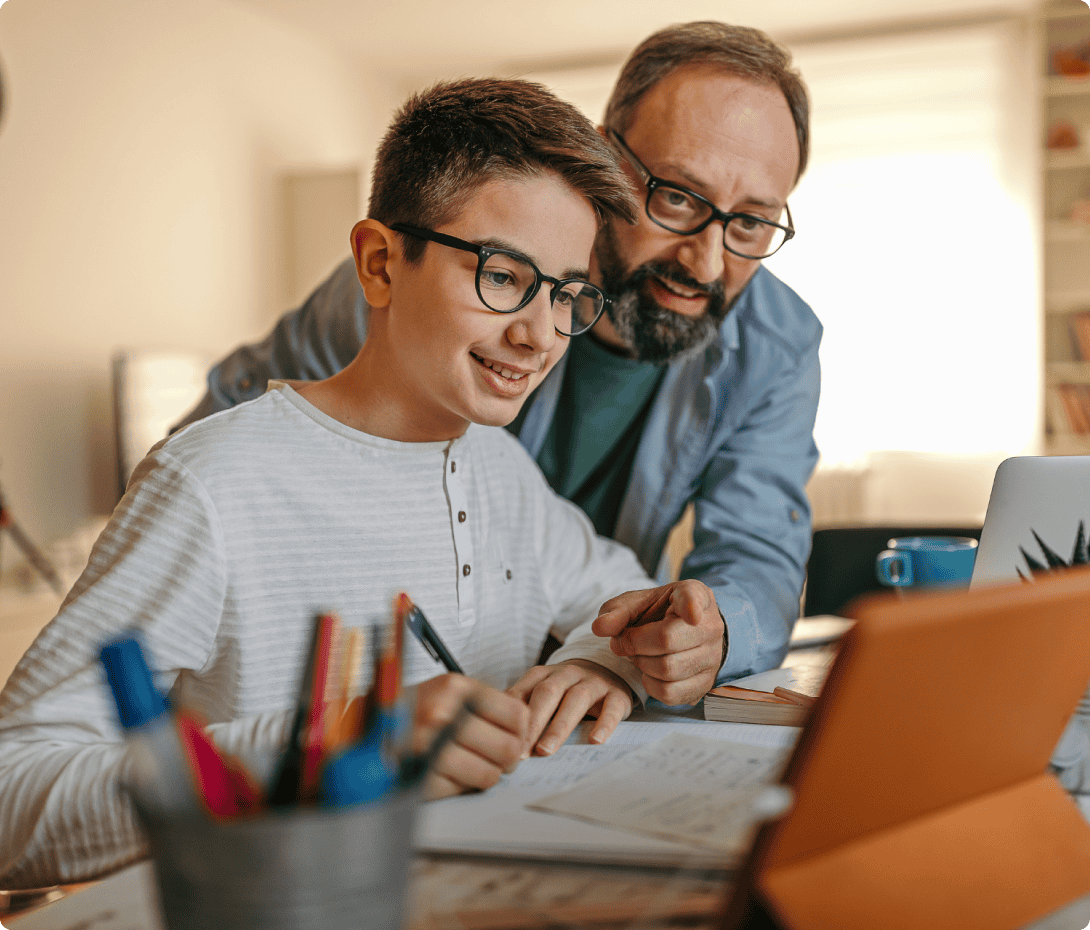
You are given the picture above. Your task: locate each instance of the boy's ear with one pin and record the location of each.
(372, 244)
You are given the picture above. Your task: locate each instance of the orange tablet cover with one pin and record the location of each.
(922, 793)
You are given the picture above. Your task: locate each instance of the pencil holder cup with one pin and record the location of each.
(304, 869)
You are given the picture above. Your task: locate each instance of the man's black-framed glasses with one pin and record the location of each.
(686, 212)
(507, 281)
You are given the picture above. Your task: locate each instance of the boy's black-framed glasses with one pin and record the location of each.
(507, 281)
(686, 213)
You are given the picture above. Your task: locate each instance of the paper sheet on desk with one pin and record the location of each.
(684, 788)
(498, 821)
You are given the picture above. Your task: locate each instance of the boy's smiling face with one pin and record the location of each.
(442, 358)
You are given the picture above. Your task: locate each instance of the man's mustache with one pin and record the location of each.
(676, 275)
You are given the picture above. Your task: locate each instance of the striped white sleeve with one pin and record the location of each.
(156, 569)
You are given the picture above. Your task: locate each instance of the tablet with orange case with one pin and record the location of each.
(923, 796)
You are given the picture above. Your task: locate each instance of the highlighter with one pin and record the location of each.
(175, 764)
(160, 771)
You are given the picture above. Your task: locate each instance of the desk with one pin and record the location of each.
(462, 893)
(447, 893)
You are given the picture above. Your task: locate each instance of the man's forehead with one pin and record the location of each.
(697, 117)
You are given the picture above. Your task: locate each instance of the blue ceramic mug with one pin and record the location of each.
(919, 561)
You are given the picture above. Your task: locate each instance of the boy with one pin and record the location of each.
(234, 533)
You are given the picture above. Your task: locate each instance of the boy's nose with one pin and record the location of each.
(533, 326)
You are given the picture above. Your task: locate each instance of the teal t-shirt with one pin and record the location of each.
(588, 452)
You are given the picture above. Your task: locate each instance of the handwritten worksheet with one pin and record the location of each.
(501, 822)
(683, 787)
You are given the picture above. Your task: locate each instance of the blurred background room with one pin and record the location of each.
(174, 176)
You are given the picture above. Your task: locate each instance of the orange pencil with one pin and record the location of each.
(385, 707)
(795, 697)
(341, 727)
(388, 665)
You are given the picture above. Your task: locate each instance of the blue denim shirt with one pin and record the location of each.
(731, 430)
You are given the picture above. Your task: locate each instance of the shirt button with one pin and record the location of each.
(245, 384)
(508, 574)
(461, 516)
(795, 516)
(453, 466)
(465, 569)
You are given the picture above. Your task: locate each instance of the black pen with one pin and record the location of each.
(430, 640)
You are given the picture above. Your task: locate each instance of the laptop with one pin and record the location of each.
(1038, 518)
(923, 796)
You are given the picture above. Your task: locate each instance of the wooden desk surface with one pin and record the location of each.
(449, 893)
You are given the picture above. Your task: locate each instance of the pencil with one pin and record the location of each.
(314, 740)
(795, 697)
(341, 727)
(286, 781)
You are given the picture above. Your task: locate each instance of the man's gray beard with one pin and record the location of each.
(655, 333)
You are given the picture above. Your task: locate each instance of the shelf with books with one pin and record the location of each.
(1066, 159)
(1063, 10)
(1063, 86)
(1067, 300)
(1067, 231)
(1068, 444)
(1068, 408)
(1075, 372)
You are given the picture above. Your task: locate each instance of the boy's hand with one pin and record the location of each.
(675, 635)
(561, 695)
(486, 745)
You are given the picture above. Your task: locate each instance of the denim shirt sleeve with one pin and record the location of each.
(313, 342)
(752, 517)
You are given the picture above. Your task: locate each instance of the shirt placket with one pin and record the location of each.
(455, 474)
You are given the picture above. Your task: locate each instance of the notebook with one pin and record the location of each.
(922, 791)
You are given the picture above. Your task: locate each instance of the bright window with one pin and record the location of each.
(916, 243)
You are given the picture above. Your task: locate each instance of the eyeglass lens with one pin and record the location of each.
(682, 213)
(506, 283)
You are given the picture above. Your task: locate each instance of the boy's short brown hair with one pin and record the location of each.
(447, 141)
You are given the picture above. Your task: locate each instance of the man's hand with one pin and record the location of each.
(673, 634)
(561, 695)
(488, 743)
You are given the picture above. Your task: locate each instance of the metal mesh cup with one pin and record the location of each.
(320, 868)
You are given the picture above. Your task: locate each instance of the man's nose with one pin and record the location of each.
(703, 254)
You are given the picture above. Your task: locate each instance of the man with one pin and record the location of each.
(699, 385)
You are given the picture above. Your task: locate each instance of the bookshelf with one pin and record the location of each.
(1064, 27)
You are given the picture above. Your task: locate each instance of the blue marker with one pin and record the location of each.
(160, 769)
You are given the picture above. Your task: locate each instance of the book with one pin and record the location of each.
(1078, 325)
(1071, 398)
(737, 703)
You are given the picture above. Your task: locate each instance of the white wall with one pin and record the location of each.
(141, 158)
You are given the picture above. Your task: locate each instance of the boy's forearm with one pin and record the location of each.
(63, 817)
